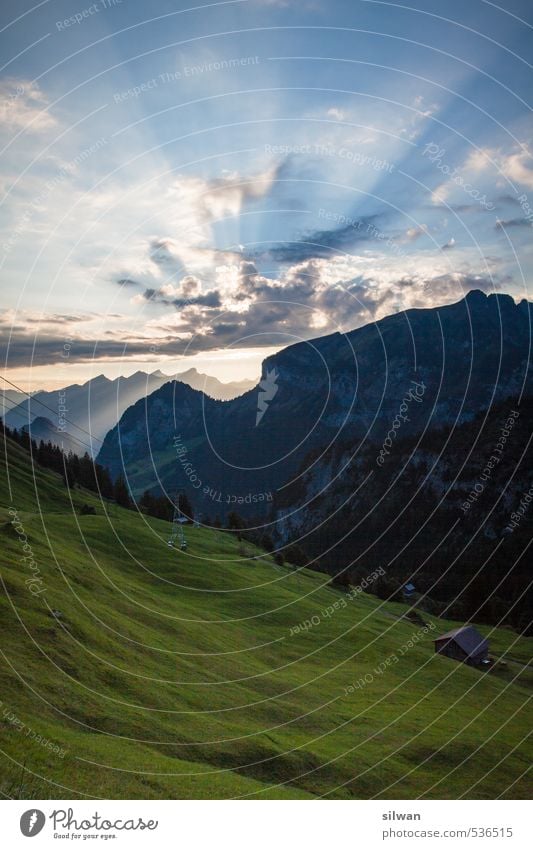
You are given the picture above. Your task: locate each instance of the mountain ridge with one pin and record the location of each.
(95, 406)
(328, 388)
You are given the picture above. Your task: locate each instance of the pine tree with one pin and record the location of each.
(121, 492)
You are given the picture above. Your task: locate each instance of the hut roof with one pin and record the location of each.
(470, 640)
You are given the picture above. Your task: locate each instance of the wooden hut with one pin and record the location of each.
(464, 644)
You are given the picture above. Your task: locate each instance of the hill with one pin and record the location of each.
(132, 670)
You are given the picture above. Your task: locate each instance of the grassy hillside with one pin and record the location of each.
(175, 674)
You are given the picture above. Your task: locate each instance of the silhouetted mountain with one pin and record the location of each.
(448, 362)
(43, 429)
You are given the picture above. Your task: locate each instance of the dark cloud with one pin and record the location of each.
(322, 244)
(452, 207)
(126, 281)
(508, 199)
(512, 222)
(25, 350)
(55, 318)
(210, 299)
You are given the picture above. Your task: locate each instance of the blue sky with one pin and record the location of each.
(200, 186)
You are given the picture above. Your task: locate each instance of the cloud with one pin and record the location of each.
(441, 194)
(127, 281)
(23, 106)
(315, 296)
(502, 224)
(324, 243)
(186, 295)
(448, 245)
(198, 204)
(478, 160)
(414, 233)
(516, 166)
(336, 114)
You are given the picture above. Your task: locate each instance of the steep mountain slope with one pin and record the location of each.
(449, 363)
(440, 510)
(145, 672)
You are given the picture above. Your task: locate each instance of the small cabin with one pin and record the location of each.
(463, 644)
(408, 591)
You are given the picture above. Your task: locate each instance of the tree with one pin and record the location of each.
(266, 542)
(296, 555)
(147, 502)
(235, 523)
(104, 482)
(121, 492)
(185, 506)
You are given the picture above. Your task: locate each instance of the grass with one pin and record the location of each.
(174, 674)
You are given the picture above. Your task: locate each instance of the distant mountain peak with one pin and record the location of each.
(101, 378)
(39, 421)
(475, 296)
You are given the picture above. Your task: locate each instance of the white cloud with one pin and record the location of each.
(516, 166)
(441, 193)
(478, 160)
(336, 114)
(23, 106)
(414, 233)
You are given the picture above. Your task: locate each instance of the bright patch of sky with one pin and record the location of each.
(208, 183)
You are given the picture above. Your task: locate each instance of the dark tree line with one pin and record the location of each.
(162, 507)
(86, 473)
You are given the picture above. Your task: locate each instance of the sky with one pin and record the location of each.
(201, 185)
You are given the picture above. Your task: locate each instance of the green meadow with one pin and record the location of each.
(169, 674)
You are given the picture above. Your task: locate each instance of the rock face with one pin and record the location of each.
(432, 368)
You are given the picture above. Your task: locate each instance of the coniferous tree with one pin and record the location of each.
(121, 492)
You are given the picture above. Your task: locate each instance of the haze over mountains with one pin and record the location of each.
(9, 398)
(95, 406)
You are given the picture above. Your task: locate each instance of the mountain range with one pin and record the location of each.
(95, 406)
(429, 367)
